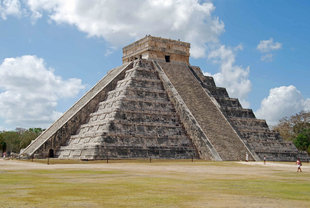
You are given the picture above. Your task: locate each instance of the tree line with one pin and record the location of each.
(296, 129)
(14, 141)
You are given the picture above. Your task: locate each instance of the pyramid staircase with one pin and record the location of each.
(136, 120)
(208, 115)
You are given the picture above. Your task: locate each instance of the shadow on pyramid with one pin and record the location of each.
(156, 105)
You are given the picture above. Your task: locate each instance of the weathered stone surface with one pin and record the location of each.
(212, 121)
(61, 130)
(203, 145)
(137, 120)
(155, 48)
(254, 132)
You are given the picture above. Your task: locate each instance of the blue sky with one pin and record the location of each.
(52, 52)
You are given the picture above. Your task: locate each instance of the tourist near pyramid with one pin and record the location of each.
(156, 105)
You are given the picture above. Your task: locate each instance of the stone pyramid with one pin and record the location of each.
(157, 105)
(136, 120)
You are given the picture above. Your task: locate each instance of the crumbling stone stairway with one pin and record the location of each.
(136, 120)
(213, 122)
(254, 132)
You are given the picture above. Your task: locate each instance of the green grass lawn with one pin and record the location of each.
(157, 184)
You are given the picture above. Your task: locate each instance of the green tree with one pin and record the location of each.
(29, 135)
(290, 127)
(14, 141)
(2, 144)
(302, 141)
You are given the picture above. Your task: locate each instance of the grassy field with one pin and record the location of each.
(156, 184)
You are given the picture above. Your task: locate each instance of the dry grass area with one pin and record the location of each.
(157, 184)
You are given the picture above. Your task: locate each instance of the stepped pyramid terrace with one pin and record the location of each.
(157, 105)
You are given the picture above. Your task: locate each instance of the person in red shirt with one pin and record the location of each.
(299, 164)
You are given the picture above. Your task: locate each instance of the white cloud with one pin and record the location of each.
(231, 76)
(119, 22)
(268, 45)
(29, 92)
(282, 101)
(267, 58)
(9, 7)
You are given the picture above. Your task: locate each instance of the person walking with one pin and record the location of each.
(299, 164)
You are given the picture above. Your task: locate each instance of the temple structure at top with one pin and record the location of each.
(156, 48)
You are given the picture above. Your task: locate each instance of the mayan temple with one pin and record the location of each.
(157, 105)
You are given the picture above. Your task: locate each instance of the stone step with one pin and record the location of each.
(134, 104)
(147, 124)
(138, 92)
(274, 151)
(141, 82)
(132, 129)
(128, 142)
(217, 91)
(124, 82)
(116, 94)
(138, 106)
(123, 98)
(101, 152)
(97, 123)
(155, 84)
(268, 140)
(133, 117)
(228, 102)
(105, 124)
(209, 81)
(141, 72)
(147, 104)
(109, 102)
(256, 130)
(102, 116)
(144, 112)
(268, 143)
(259, 135)
(134, 76)
(125, 134)
(150, 129)
(241, 122)
(123, 90)
(238, 112)
(279, 156)
(142, 117)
